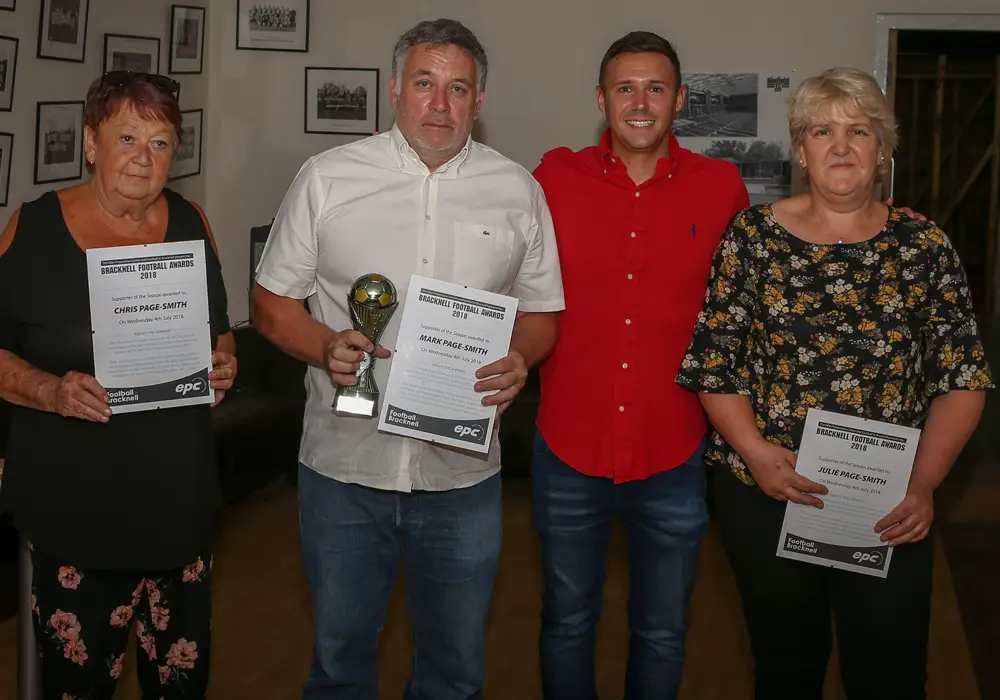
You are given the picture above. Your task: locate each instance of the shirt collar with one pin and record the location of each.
(664, 166)
(408, 160)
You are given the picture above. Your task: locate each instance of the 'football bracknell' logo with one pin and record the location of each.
(778, 84)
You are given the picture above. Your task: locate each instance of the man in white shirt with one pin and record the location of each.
(424, 199)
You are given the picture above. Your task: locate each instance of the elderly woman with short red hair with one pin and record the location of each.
(118, 509)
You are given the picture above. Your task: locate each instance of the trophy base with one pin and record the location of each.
(356, 404)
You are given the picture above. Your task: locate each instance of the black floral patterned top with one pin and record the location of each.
(876, 329)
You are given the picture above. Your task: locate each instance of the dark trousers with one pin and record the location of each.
(83, 619)
(353, 539)
(663, 518)
(881, 624)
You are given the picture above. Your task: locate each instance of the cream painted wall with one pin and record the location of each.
(40, 80)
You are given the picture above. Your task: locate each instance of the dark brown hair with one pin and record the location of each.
(641, 42)
(153, 97)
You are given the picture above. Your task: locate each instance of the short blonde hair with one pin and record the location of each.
(848, 86)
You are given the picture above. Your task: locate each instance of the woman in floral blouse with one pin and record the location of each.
(832, 300)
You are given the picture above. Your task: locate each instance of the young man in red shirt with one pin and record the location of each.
(637, 220)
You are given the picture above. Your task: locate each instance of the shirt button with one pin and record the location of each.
(428, 217)
(624, 365)
(670, 176)
(630, 275)
(621, 408)
(633, 234)
(425, 261)
(636, 194)
(628, 321)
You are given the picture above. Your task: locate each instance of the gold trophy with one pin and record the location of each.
(372, 301)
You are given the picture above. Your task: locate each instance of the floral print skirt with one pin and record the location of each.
(83, 619)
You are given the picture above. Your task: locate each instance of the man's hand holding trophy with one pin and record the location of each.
(350, 357)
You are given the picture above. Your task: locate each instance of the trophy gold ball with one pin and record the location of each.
(371, 301)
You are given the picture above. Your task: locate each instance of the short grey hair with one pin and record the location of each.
(440, 32)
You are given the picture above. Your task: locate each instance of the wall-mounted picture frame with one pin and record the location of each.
(139, 54)
(58, 141)
(8, 5)
(62, 30)
(6, 151)
(275, 25)
(8, 71)
(341, 100)
(187, 39)
(187, 161)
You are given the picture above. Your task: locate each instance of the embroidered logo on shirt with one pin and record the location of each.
(486, 233)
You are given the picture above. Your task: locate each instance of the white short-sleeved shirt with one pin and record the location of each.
(372, 206)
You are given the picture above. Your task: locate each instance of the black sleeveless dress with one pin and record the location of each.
(137, 493)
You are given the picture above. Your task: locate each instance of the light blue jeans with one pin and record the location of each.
(353, 538)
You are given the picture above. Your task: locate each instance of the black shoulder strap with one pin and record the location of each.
(40, 224)
(184, 222)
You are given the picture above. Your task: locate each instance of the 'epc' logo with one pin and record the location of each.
(872, 559)
(468, 431)
(198, 386)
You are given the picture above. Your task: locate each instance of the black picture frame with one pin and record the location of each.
(9, 73)
(317, 76)
(53, 46)
(74, 171)
(178, 65)
(245, 41)
(122, 40)
(8, 5)
(6, 156)
(188, 117)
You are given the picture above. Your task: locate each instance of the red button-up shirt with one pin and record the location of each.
(635, 260)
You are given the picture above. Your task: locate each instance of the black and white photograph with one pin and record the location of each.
(719, 105)
(742, 117)
(341, 100)
(6, 149)
(187, 39)
(62, 30)
(765, 166)
(8, 71)
(187, 161)
(8, 5)
(273, 26)
(58, 142)
(139, 54)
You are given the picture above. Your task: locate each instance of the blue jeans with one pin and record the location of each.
(664, 518)
(352, 541)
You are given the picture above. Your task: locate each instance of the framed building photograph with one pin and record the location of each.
(187, 162)
(8, 70)
(6, 147)
(341, 100)
(187, 39)
(276, 25)
(58, 142)
(7, 5)
(62, 30)
(140, 54)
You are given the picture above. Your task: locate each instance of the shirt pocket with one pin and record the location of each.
(481, 255)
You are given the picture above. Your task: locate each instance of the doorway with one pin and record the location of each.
(941, 73)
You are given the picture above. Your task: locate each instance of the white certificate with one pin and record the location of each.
(150, 321)
(446, 333)
(866, 466)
